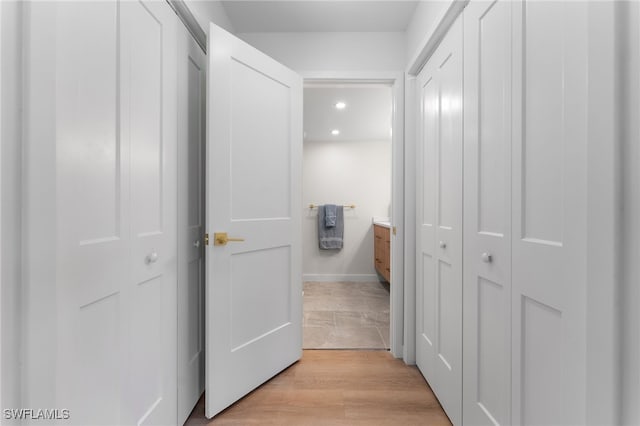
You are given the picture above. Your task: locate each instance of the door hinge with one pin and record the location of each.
(394, 230)
(206, 239)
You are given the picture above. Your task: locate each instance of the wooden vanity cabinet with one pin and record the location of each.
(382, 251)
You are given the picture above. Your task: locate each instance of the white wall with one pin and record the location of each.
(206, 11)
(426, 18)
(11, 202)
(357, 173)
(332, 51)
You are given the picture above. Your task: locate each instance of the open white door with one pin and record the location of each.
(254, 157)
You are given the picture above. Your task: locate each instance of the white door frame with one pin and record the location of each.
(396, 81)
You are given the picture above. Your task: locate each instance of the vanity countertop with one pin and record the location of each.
(382, 222)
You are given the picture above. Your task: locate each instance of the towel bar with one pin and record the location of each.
(349, 206)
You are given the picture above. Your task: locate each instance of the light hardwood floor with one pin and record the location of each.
(336, 388)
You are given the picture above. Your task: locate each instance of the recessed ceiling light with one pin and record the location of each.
(335, 132)
(341, 105)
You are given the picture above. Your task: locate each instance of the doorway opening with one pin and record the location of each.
(347, 163)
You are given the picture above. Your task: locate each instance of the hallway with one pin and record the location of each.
(160, 193)
(329, 387)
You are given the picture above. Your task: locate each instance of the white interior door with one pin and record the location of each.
(550, 234)
(148, 123)
(108, 104)
(254, 158)
(487, 213)
(192, 69)
(439, 204)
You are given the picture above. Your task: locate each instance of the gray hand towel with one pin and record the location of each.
(330, 238)
(330, 213)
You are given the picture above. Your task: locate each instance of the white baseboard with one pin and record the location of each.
(340, 277)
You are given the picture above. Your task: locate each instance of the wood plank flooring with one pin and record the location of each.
(335, 388)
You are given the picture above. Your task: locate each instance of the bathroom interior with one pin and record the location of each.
(347, 162)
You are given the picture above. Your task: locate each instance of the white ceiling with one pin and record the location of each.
(366, 117)
(248, 16)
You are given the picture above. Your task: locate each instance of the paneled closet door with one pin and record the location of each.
(549, 235)
(92, 204)
(439, 246)
(191, 157)
(487, 213)
(115, 206)
(149, 122)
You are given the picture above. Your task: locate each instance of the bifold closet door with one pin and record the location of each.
(439, 213)
(192, 70)
(148, 120)
(101, 119)
(549, 188)
(487, 213)
(526, 87)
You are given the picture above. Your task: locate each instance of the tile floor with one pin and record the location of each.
(346, 315)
